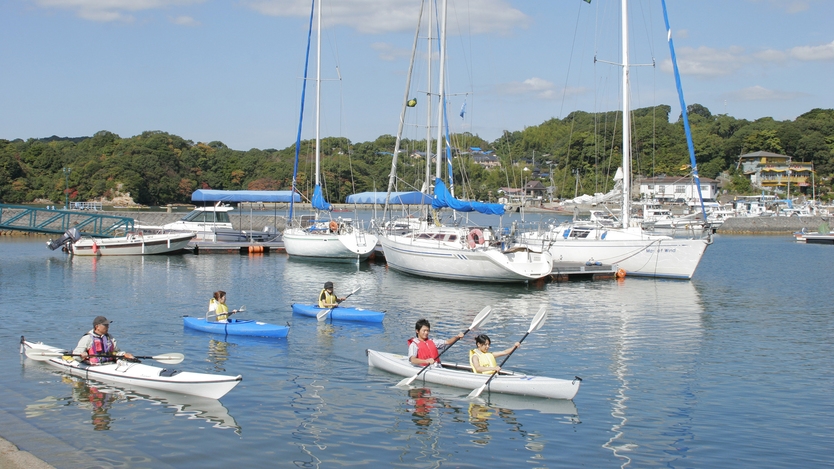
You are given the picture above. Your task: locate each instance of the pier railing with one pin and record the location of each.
(43, 220)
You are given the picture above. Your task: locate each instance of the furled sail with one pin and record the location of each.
(443, 199)
(318, 200)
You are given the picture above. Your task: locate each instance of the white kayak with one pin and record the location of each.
(461, 376)
(138, 374)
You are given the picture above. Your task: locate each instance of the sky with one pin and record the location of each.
(231, 70)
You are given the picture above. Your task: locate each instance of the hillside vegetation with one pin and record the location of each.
(158, 168)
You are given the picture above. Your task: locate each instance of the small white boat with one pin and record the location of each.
(461, 376)
(138, 374)
(134, 244)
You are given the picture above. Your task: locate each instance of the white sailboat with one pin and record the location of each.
(633, 249)
(320, 238)
(432, 250)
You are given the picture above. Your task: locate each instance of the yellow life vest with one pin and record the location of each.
(484, 359)
(329, 298)
(222, 312)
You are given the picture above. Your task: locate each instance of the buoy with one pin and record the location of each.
(621, 273)
(334, 227)
(475, 237)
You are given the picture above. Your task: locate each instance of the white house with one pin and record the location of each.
(677, 189)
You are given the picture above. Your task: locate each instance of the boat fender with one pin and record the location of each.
(334, 227)
(621, 273)
(475, 237)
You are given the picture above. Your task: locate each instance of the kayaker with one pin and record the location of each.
(327, 299)
(424, 351)
(99, 342)
(482, 360)
(221, 311)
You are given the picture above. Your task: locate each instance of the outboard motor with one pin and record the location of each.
(72, 235)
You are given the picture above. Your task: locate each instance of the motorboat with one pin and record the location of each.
(134, 243)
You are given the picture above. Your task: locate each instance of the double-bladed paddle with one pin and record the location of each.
(322, 315)
(43, 355)
(538, 322)
(479, 319)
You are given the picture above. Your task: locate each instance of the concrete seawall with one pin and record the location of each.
(770, 225)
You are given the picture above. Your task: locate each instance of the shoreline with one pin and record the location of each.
(12, 457)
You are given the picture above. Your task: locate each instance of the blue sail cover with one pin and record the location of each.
(397, 198)
(318, 200)
(210, 195)
(443, 199)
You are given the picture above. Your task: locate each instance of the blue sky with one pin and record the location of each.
(231, 70)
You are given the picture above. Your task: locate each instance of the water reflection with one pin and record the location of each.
(100, 399)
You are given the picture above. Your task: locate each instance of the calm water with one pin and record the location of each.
(731, 369)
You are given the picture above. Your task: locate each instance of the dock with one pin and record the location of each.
(564, 271)
(220, 247)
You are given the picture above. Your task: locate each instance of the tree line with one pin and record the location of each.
(581, 150)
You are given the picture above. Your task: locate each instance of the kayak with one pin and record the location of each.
(340, 313)
(461, 376)
(138, 374)
(236, 327)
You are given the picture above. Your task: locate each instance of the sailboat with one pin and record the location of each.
(317, 237)
(636, 251)
(428, 248)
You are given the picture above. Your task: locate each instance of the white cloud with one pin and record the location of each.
(823, 52)
(384, 16)
(538, 88)
(707, 61)
(185, 21)
(389, 53)
(111, 10)
(760, 93)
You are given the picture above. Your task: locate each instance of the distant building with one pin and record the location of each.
(768, 170)
(677, 189)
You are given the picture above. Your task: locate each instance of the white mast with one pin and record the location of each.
(429, 98)
(441, 90)
(318, 95)
(626, 123)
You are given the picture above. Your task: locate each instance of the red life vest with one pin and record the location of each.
(101, 345)
(425, 349)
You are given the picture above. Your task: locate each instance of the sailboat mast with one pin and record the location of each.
(441, 89)
(429, 97)
(318, 95)
(626, 123)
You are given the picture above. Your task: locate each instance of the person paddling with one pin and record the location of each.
(217, 305)
(424, 351)
(328, 299)
(482, 360)
(98, 346)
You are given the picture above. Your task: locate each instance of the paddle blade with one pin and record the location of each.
(476, 392)
(481, 317)
(538, 320)
(169, 358)
(322, 315)
(407, 381)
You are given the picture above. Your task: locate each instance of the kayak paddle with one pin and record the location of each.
(322, 315)
(479, 319)
(538, 322)
(43, 355)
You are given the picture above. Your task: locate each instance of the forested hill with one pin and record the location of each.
(158, 168)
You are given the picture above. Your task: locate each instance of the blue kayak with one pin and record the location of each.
(236, 327)
(340, 313)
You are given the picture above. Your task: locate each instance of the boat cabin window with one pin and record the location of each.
(201, 216)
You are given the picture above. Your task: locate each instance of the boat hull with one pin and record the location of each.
(638, 253)
(433, 259)
(134, 244)
(515, 383)
(340, 313)
(333, 247)
(236, 327)
(145, 376)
